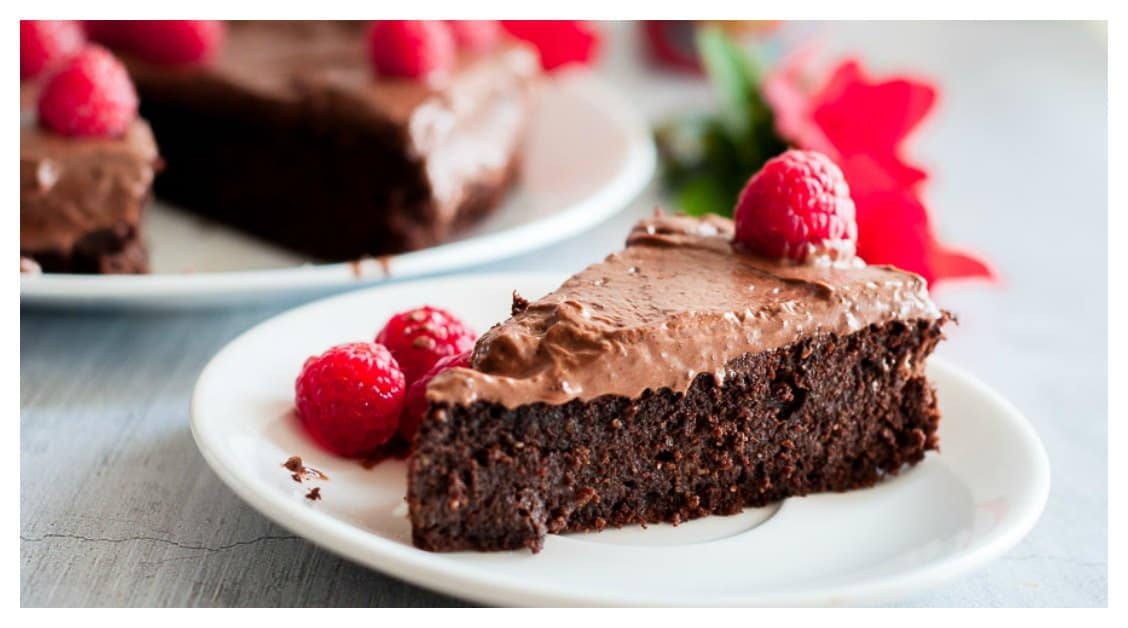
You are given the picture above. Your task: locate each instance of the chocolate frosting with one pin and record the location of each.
(679, 301)
(70, 187)
(320, 66)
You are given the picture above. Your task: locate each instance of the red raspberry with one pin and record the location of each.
(90, 95)
(46, 42)
(475, 35)
(419, 337)
(350, 397)
(797, 205)
(172, 42)
(410, 48)
(415, 404)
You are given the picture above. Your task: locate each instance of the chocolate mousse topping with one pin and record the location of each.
(71, 188)
(621, 326)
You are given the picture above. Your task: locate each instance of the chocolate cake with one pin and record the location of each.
(82, 199)
(679, 378)
(288, 135)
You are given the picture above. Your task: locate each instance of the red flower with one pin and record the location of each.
(861, 124)
(559, 42)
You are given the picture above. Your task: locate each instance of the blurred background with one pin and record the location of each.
(1015, 151)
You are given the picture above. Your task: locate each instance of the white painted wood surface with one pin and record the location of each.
(118, 508)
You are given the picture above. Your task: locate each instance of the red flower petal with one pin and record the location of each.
(858, 116)
(783, 90)
(894, 227)
(948, 263)
(861, 124)
(892, 222)
(559, 42)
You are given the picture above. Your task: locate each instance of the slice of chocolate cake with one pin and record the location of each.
(82, 199)
(679, 378)
(289, 135)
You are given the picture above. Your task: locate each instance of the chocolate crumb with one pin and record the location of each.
(314, 494)
(315, 474)
(301, 472)
(520, 304)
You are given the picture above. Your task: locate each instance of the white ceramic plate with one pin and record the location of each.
(587, 155)
(939, 519)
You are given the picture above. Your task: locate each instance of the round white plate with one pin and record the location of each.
(587, 155)
(949, 514)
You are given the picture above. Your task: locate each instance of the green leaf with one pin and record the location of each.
(704, 194)
(734, 77)
(707, 160)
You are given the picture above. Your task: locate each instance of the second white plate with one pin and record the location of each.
(939, 519)
(587, 155)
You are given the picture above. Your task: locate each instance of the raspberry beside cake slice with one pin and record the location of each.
(684, 376)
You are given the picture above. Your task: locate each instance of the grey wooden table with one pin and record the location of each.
(118, 508)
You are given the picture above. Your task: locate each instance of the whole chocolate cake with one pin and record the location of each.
(679, 378)
(289, 135)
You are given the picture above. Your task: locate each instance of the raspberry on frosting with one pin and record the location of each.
(90, 95)
(350, 398)
(420, 337)
(44, 43)
(414, 49)
(415, 404)
(796, 206)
